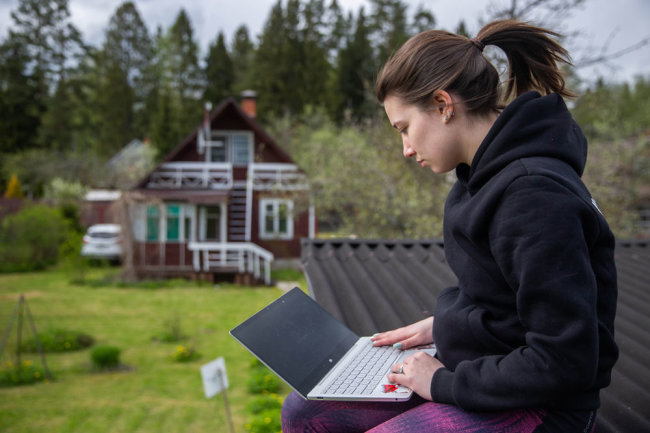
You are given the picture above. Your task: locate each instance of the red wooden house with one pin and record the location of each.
(226, 200)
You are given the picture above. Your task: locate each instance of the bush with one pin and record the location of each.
(263, 381)
(264, 403)
(25, 373)
(58, 340)
(105, 357)
(184, 354)
(30, 239)
(266, 407)
(267, 421)
(172, 332)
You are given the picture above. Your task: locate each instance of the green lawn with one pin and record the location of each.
(153, 394)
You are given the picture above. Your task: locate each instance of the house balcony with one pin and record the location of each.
(277, 176)
(192, 175)
(219, 176)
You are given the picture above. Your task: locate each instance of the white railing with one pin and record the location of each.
(270, 176)
(246, 257)
(179, 175)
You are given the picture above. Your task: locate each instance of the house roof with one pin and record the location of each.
(227, 104)
(377, 285)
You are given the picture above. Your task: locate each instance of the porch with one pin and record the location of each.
(242, 257)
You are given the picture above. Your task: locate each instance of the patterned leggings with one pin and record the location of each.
(418, 415)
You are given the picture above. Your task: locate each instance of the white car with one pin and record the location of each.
(103, 241)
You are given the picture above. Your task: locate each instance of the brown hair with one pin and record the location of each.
(438, 60)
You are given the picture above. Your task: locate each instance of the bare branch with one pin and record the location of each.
(605, 57)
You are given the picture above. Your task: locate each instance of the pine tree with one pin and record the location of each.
(242, 53)
(269, 65)
(219, 72)
(52, 43)
(19, 107)
(423, 20)
(47, 32)
(356, 74)
(177, 107)
(291, 67)
(125, 84)
(185, 73)
(14, 189)
(389, 24)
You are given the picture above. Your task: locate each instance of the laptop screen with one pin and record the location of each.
(296, 338)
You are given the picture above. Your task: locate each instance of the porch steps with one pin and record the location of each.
(237, 214)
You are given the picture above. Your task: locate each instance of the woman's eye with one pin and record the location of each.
(403, 130)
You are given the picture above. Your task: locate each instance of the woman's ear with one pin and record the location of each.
(443, 104)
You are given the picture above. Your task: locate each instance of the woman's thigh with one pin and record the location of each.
(438, 418)
(300, 415)
(420, 416)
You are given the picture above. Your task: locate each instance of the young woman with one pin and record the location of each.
(526, 340)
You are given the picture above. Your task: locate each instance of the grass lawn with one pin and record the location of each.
(152, 393)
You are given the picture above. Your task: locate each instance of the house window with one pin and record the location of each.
(173, 222)
(153, 223)
(217, 150)
(212, 223)
(241, 149)
(188, 228)
(234, 147)
(276, 219)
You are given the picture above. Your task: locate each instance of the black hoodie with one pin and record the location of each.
(531, 322)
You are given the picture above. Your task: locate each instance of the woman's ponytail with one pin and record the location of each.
(533, 56)
(437, 60)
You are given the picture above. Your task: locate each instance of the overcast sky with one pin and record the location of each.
(622, 22)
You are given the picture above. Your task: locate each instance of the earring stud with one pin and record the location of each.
(448, 116)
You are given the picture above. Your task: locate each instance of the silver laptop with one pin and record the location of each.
(317, 355)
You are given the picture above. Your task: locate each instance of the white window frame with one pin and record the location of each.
(228, 136)
(223, 227)
(186, 211)
(275, 203)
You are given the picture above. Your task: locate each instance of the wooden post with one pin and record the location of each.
(225, 401)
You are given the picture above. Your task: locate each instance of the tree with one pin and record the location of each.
(13, 188)
(360, 182)
(423, 20)
(355, 74)
(338, 29)
(219, 72)
(242, 53)
(290, 66)
(51, 39)
(388, 20)
(165, 128)
(19, 101)
(125, 84)
(270, 65)
(177, 108)
(185, 74)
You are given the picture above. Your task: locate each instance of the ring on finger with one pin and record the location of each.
(401, 369)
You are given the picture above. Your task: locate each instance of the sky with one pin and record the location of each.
(614, 24)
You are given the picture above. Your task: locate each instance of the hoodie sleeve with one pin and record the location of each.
(538, 238)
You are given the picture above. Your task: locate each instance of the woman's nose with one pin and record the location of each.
(407, 150)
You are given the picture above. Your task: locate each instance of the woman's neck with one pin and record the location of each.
(476, 128)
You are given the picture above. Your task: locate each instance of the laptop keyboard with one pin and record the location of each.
(365, 371)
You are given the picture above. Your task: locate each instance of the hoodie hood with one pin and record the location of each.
(530, 126)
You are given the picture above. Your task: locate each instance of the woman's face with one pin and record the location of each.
(427, 136)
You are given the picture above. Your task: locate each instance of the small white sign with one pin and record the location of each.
(214, 377)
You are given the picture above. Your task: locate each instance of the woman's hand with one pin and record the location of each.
(416, 373)
(416, 334)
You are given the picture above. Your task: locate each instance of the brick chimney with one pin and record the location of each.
(249, 102)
